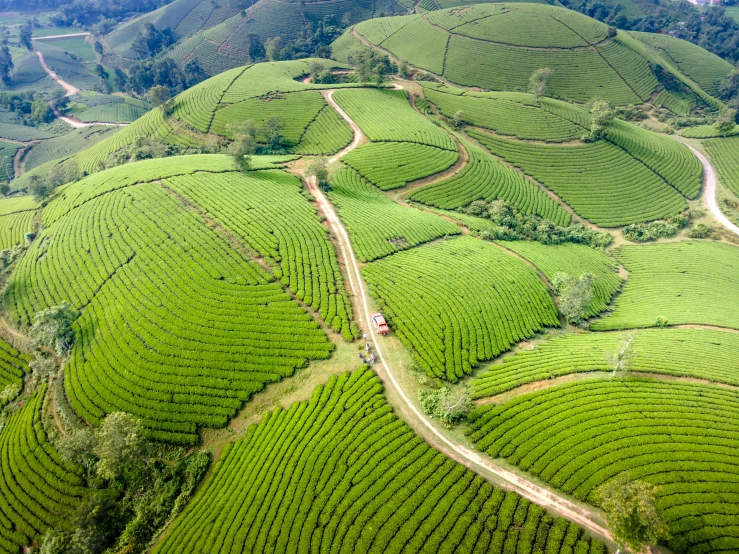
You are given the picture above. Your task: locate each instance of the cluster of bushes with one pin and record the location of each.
(510, 223)
(654, 230)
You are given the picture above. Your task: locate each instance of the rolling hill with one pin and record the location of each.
(215, 283)
(216, 34)
(499, 46)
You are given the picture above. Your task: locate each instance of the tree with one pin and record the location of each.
(41, 112)
(403, 70)
(152, 40)
(661, 321)
(78, 447)
(273, 49)
(244, 144)
(539, 81)
(42, 368)
(98, 47)
(38, 188)
(273, 133)
(623, 356)
(120, 447)
(449, 405)
(320, 74)
(601, 113)
(53, 327)
(6, 66)
(26, 33)
(574, 295)
(631, 513)
(726, 121)
(371, 66)
(159, 94)
(458, 119)
(319, 170)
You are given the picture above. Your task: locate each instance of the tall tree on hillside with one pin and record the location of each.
(601, 113)
(371, 66)
(726, 121)
(244, 144)
(539, 81)
(631, 513)
(574, 295)
(273, 49)
(26, 33)
(6, 66)
(623, 355)
(159, 94)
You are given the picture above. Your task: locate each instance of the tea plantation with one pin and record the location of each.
(341, 473)
(452, 320)
(679, 436)
(686, 282)
(702, 353)
(188, 294)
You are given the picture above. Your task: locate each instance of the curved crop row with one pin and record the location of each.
(328, 133)
(686, 282)
(178, 324)
(296, 110)
(484, 178)
(702, 353)
(38, 491)
(197, 105)
(13, 365)
(378, 226)
(391, 165)
(669, 159)
(723, 154)
(13, 228)
(681, 437)
(459, 302)
(267, 212)
(601, 181)
(341, 473)
(574, 259)
(387, 116)
(501, 113)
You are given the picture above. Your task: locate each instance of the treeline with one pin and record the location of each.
(152, 69)
(711, 29)
(84, 12)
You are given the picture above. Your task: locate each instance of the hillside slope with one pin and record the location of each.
(499, 46)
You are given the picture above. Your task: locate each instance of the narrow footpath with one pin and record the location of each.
(418, 421)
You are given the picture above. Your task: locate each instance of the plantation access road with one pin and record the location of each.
(710, 192)
(71, 90)
(418, 421)
(70, 35)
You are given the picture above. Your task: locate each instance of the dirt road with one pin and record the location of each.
(417, 420)
(71, 35)
(709, 192)
(71, 90)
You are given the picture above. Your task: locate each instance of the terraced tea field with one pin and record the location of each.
(601, 181)
(686, 282)
(360, 481)
(209, 293)
(378, 226)
(452, 320)
(702, 353)
(679, 436)
(484, 178)
(37, 489)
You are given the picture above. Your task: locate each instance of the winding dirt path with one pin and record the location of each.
(71, 90)
(544, 497)
(709, 192)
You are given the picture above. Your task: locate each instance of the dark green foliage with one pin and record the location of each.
(510, 223)
(646, 232)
